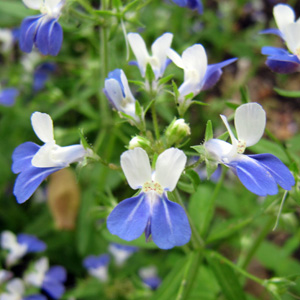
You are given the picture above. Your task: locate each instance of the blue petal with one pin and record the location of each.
(274, 51)
(41, 75)
(272, 31)
(93, 261)
(35, 297)
(129, 218)
(195, 5)
(32, 242)
(214, 72)
(29, 180)
(282, 67)
(278, 170)
(49, 37)
(53, 288)
(127, 248)
(8, 96)
(255, 177)
(116, 74)
(152, 282)
(23, 155)
(28, 31)
(169, 224)
(57, 273)
(181, 3)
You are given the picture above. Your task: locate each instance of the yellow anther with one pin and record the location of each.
(152, 186)
(241, 146)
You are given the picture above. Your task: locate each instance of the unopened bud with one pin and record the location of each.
(139, 141)
(177, 131)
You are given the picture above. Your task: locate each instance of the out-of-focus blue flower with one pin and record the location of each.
(50, 280)
(158, 60)
(149, 277)
(8, 96)
(42, 74)
(191, 4)
(280, 60)
(43, 30)
(198, 76)
(117, 91)
(121, 252)
(97, 266)
(259, 173)
(15, 290)
(35, 163)
(7, 39)
(151, 211)
(20, 245)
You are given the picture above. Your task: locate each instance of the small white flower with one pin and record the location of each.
(52, 8)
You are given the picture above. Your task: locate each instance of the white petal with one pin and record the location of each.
(139, 49)
(283, 15)
(176, 58)
(195, 63)
(8, 240)
(159, 52)
(169, 166)
(54, 6)
(218, 150)
(127, 91)
(232, 137)
(114, 91)
(100, 273)
(136, 167)
(43, 126)
(250, 122)
(292, 37)
(15, 286)
(52, 155)
(33, 4)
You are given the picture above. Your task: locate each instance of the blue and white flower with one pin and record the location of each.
(8, 96)
(35, 163)
(191, 4)
(97, 266)
(42, 30)
(149, 277)
(259, 173)
(158, 60)
(15, 290)
(121, 252)
(198, 76)
(20, 245)
(7, 39)
(49, 279)
(117, 91)
(151, 211)
(280, 60)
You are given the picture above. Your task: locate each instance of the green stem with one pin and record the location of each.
(237, 268)
(154, 119)
(280, 209)
(253, 248)
(197, 241)
(210, 213)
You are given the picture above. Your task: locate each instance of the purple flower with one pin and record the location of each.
(8, 96)
(43, 30)
(259, 173)
(50, 280)
(151, 211)
(191, 4)
(280, 60)
(20, 245)
(97, 266)
(35, 163)
(149, 277)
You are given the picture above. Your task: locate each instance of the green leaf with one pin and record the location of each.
(289, 94)
(165, 79)
(211, 167)
(107, 13)
(138, 109)
(209, 131)
(232, 105)
(131, 6)
(228, 281)
(245, 98)
(198, 102)
(149, 74)
(175, 89)
(200, 149)
(194, 177)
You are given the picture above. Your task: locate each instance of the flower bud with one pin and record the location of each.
(139, 141)
(177, 131)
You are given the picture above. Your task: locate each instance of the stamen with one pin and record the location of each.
(152, 186)
(241, 146)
